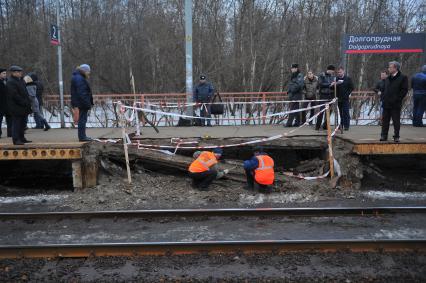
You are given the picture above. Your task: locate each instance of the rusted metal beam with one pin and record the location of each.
(223, 247)
(40, 154)
(389, 148)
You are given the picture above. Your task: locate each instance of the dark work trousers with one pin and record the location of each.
(8, 124)
(82, 120)
(395, 114)
(294, 116)
(312, 111)
(320, 116)
(18, 127)
(419, 109)
(203, 180)
(252, 184)
(345, 117)
(205, 111)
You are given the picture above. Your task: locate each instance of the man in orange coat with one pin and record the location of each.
(203, 170)
(260, 171)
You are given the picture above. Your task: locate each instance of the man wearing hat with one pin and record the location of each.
(4, 109)
(326, 91)
(203, 93)
(260, 171)
(295, 88)
(203, 170)
(81, 98)
(19, 104)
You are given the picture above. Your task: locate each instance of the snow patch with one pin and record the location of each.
(36, 198)
(394, 195)
(275, 198)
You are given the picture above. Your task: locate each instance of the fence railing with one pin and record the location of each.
(239, 108)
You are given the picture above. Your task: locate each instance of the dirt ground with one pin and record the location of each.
(293, 267)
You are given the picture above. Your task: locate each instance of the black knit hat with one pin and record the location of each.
(331, 67)
(2, 70)
(295, 65)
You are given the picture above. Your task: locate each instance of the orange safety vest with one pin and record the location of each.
(264, 174)
(203, 163)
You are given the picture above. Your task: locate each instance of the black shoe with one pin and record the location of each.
(396, 139)
(383, 138)
(47, 127)
(18, 143)
(26, 141)
(86, 139)
(203, 189)
(248, 188)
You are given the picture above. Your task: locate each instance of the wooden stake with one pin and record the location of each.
(126, 152)
(329, 142)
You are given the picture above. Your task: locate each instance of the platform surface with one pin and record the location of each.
(364, 138)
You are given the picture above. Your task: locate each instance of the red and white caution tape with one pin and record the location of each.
(231, 119)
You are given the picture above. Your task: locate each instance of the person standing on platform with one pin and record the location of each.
(32, 92)
(203, 95)
(310, 90)
(326, 92)
(4, 109)
(203, 170)
(81, 98)
(260, 171)
(344, 88)
(379, 89)
(418, 83)
(396, 88)
(295, 89)
(39, 95)
(19, 104)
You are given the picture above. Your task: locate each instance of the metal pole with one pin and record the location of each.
(60, 78)
(188, 54)
(329, 141)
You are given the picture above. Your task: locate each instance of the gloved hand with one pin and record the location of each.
(226, 171)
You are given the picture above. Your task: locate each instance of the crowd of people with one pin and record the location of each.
(22, 95)
(19, 97)
(311, 90)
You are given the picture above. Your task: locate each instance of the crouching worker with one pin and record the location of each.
(260, 172)
(203, 170)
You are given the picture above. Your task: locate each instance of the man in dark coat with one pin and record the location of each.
(81, 98)
(203, 93)
(19, 104)
(379, 89)
(39, 96)
(396, 88)
(4, 109)
(418, 83)
(295, 92)
(344, 88)
(326, 91)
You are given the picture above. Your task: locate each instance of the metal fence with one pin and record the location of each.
(240, 108)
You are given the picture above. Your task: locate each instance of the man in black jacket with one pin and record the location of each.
(326, 90)
(4, 109)
(396, 88)
(295, 88)
(344, 88)
(19, 104)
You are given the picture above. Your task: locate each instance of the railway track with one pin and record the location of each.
(188, 231)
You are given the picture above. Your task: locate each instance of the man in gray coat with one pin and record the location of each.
(295, 88)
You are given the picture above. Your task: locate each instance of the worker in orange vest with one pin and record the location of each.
(203, 170)
(260, 171)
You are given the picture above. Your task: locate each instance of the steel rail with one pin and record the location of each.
(228, 212)
(209, 247)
